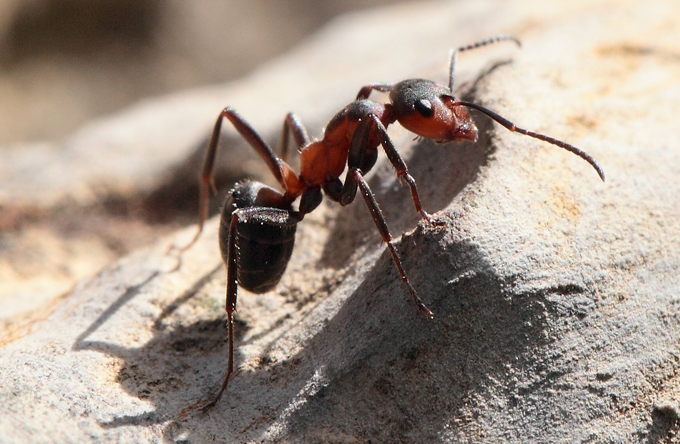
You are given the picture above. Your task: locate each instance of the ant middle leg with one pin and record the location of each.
(292, 125)
(282, 172)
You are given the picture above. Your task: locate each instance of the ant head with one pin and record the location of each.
(429, 110)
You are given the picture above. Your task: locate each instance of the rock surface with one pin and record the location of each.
(555, 295)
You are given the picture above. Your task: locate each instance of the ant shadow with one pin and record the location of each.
(384, 362)
(139, 375)
(376, 359)
(662, 427)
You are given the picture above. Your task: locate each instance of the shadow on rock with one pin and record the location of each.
(392, 375)
(380, 366)
(164, 369)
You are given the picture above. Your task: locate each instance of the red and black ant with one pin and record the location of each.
(258, 223)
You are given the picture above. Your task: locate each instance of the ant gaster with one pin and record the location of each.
(258, 223)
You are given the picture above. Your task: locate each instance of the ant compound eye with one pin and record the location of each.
(424, 107)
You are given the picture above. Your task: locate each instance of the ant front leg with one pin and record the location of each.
(282, 172)
(355, 179)
(381, 224)
(399, 165)
(356, 157)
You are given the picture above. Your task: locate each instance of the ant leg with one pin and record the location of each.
(356, 156)
(293, 125)
(232, 290)
(309, 200)
(280, 169)
(492, 40)
(366, 90)
(381, 224)
(356, 179)
(334, 190)
(511, 127)
(355, 160)
(399, 165)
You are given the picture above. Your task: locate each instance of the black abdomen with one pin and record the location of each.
(264, 240)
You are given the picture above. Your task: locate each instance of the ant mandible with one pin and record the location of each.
(258, 223)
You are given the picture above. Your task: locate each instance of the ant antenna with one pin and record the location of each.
(492, 40)
(511, 126)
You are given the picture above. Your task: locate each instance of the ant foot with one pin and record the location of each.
(206, 408)
(432, 222)
(424, 310)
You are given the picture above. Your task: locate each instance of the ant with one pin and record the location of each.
(258, 223)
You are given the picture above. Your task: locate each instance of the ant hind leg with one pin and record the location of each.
(231, 295)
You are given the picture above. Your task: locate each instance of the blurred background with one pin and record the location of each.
(63, 62)
(67, 62)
